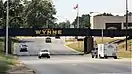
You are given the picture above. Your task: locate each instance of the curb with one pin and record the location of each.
(21, 72)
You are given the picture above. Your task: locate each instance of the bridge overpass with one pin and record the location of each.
(64, 32)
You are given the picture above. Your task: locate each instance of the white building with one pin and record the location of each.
(113, 22)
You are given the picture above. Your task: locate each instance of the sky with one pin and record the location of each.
(65, 9)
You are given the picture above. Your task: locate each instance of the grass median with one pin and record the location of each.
(122, 50)
(78, 45)
(6, 61)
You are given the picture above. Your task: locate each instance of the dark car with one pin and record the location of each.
(57, 37)
(94, 53)
(48, 40)
(23, 48)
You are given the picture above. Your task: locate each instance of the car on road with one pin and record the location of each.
(57, 37)
(48, 40)
(95, 53)
(23, 48)
(44, 53)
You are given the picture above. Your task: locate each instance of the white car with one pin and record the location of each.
(23, 48)
(44, 53)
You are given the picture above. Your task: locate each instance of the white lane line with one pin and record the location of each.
(74, 64)
(116, 73)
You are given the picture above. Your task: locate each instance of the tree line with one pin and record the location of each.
(38, 14)
(34, 14)
(27, 14)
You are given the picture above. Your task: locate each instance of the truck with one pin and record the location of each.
(107, 50)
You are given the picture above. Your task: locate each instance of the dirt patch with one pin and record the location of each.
(20, 68)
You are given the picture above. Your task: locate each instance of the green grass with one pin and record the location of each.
(77, 46)
(99, 40)
(5, 61)
(122, 51)
(70, 40)
(14, 39)
(121, 47)
(105, 40)
(124, 54)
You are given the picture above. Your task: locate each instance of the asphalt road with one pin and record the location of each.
(35, 44)
(69, 64)
(77, 64)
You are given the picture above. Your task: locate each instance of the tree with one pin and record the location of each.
(24, 13)
(129, 14)
(15, 13)
(84, 21)
(2, 21)
(38, 12)
(61, 25)
(105, 14)
(64, 24)
(67, 24)
(51, 24)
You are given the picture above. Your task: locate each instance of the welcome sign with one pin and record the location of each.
(48, 32)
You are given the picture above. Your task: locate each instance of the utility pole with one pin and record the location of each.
(78, 18)
(77, 26)
(102, 34)
(126, 21)
(102, 30)
(47, 23)
(7, 22)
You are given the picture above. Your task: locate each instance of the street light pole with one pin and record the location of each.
(126, 21)
(47, 24)
(78, 18)
(102, 34)
(7, 22)
(91, 21)
(76, 37)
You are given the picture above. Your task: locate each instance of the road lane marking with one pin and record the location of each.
(116, 73)
(74, 64)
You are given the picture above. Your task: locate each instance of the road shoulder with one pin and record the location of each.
(20, 68)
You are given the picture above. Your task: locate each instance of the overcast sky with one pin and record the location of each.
(65, 7)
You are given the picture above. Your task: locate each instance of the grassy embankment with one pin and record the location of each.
(6, 61)
(78, 45)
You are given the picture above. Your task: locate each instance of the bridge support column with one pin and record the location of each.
(88, 45)
(9, 45)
